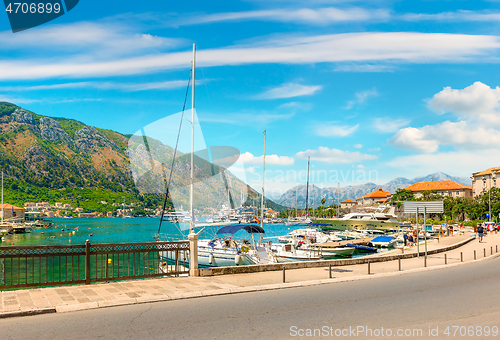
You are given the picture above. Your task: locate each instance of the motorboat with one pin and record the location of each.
(382, 218)
(383, 241)
(308, 235)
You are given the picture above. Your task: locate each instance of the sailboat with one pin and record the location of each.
(221, 250)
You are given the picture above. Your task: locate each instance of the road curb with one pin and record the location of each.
(27, 313)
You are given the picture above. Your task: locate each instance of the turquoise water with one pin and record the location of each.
(118, 230)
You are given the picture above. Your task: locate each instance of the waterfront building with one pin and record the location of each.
(348, 204)
(375, 197)
(443, 188)
(43, 205)
(11, 211)
(58, 205)
(485, 180)
(78, 210)
(109, 214)
(94, 214)
(271, 213)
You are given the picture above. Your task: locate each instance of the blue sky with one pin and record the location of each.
(370, 90)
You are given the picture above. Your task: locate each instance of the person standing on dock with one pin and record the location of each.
(410, 240)
(480, 232)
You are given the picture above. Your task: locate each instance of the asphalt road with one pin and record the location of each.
(466, 296)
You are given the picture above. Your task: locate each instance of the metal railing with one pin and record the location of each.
(29, 266)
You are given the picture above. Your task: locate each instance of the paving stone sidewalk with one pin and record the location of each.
(80, 297)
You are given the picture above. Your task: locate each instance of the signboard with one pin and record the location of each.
(428, 206)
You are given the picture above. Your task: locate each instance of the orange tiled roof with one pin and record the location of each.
(377, 194)
(486, 172)
(10, 206)
(348, 201)
(437, 185)
(270, 211)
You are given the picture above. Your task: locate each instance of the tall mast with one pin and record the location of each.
(191, 208)
(314, 207)
(296, 206)
(263, 182)
(2, 197)
(338, 200)
(307, 187)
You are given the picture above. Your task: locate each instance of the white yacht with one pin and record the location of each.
(382, 218)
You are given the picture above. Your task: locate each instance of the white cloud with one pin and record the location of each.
(318, 16)
(364, 68)
(461, 135)
(103, 39)
(324, 154)
(354, 47)
(289, 90)
(296, 106)
(460, 15)
(478, 108)
(249, 158)
(361, 97)
(331, 129)
(478, 102)
(358, 146)
(102, 86)
(388, 124)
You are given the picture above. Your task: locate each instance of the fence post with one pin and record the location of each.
(399, 260)
(284, 274)
(474, 254)
(106, 264)
(330, 270)
(445, 259)
(87, 262)
(369, 271)
(484, 251)
(176, 263)
(425, 261)
(461, 257)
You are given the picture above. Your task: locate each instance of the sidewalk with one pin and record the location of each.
(81, 297)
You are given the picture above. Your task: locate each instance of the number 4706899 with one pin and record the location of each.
(23, 7)
(471, 331)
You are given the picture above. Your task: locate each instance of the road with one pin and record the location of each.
(466, 295)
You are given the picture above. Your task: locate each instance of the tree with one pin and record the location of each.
(403, 195)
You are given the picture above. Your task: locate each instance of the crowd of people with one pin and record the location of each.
(410, 237)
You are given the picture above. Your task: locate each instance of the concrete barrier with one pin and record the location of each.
(322, 263)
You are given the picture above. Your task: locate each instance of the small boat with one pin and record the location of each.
(383, 241)
(290, 253)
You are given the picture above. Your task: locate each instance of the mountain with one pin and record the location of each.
(63, 155)
(333, 195)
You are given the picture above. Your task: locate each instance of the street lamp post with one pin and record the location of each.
(489, 204)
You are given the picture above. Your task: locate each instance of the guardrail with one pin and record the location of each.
(29, 266)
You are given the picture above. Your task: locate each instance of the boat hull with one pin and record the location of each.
(219, 258)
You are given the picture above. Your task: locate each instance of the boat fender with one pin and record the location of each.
(244, 248)
(237, 259)
(211, 259)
